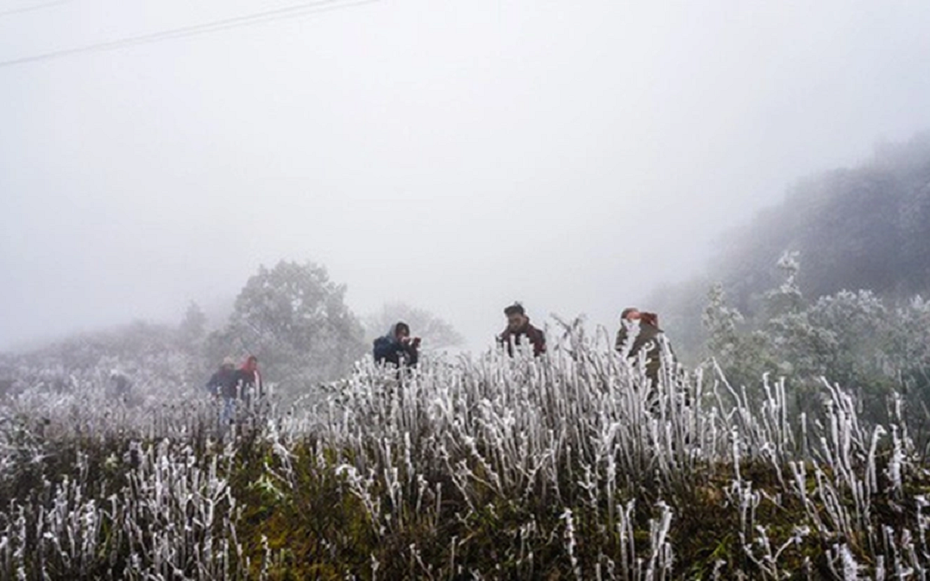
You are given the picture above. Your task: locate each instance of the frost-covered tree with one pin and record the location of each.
(799, 347)
(721, 322)
(787, 299)
(863, 227)
(853, 339)
(294, 318)
(437, 333)
(742, 353)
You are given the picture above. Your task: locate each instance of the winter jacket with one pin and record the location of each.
(527, 333)
(649, 340)
(245, 380)
(223, 383)
(387, 349)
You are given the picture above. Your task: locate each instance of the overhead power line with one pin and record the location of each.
(33, 7)
(292, 11)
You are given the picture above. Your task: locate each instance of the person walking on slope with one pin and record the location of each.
(121, 384)
(640, 333)
(222, 385)
(223, 382)
(519, 331)
(248, 380)
(397, 347)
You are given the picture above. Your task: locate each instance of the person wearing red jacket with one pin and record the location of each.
(248, 380)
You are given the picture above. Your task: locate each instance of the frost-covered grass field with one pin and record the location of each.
(475, 468)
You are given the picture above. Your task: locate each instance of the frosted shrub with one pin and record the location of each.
(478, 467)
(575, 430)
(171, 519)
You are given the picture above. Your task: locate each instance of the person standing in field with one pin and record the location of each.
(248, 380)
(397, 347)
(519, 331)
(121, 384)
(640, 334)
(223, 382)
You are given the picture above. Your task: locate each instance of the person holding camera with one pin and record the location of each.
(397, 347)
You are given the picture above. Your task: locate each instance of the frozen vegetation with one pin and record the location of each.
(473, 468)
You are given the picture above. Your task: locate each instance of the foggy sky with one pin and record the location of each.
(453, 155)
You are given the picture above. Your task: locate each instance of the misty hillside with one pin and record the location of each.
(864, 227)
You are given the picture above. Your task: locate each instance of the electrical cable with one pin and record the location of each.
(33, 7)
(293, 11)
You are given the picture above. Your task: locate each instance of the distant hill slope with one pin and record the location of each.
(866, 227)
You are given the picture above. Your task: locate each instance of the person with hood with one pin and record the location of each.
(397, 347)
(640, 333)
(519, 331)
(223, 382)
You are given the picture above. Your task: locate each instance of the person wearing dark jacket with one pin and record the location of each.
(640, 333)
(121, 384)
(397, 347)
(223, 382)
(519, 331)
